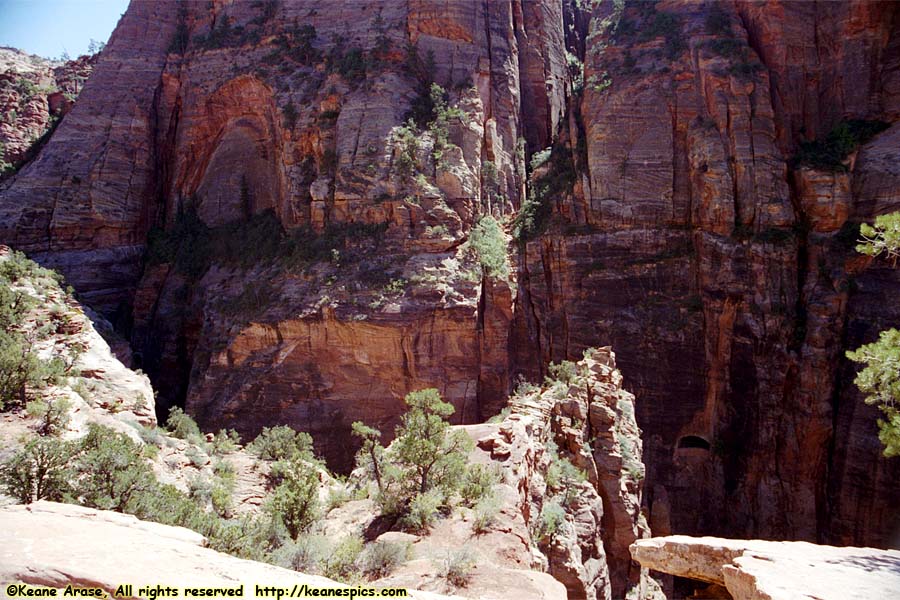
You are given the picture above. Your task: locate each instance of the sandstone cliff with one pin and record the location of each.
(34, 94)
(721, 269)
(544, 526)
(213, 141)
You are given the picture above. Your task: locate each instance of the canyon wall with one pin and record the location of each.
(723, 271)
(240, 189)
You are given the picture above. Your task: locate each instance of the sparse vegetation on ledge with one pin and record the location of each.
(192, 246)
(829, 154)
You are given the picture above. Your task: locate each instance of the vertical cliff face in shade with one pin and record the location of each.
(274, 202)
(722, 269)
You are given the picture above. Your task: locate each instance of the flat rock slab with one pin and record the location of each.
(763, 570)
(55, 545)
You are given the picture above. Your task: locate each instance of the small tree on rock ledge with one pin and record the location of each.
(880, 379)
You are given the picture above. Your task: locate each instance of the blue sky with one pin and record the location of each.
(50, 27)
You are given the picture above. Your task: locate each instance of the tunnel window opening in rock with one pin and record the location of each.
(693, 441)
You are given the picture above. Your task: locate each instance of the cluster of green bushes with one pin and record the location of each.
(488, 242)
(182, 36)
(433, 116)
(107, 470)
(223, 34)
(297, 44)
(534, 215)
(295, 476)
(353, 63)
(653, 24)
(192, 246)
(22, 371)
(425, 471)
(844, 138)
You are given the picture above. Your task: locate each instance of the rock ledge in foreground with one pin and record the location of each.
(763, 570)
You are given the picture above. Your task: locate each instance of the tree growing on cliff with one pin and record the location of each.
(880, 378)
(426, 464)
(39, 471)
(21, 369)
(295, 503)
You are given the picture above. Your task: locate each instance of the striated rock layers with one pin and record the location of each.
(34, 94)
(295, 111)
(240, 190)
(723, 271)
(590, 419)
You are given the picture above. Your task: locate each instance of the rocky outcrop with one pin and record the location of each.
(34, 94)
(116, 549)
(546, 534)
(755, 569)
(590, 418)
(679, 227)
(96, 384)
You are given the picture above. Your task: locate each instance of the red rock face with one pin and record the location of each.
(34, 93)
(721, 272)
(721, 275)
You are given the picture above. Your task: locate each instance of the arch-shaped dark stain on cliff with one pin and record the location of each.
(694, 441)
(238, 124)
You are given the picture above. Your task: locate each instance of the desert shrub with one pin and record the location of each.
(666, 25)
(501, 416)
(221, 498)
(182, 426)
(39, 471)
(457, 567)
(181, 38)
(225, 442)
(370, 457)
(341, 563)
(337, 497)
(306, 554)
(52, 415)
(350, 63)
(486, 511)
(407, 140)
(111, 470)
(563, 476)
(488, 242)
(150, 435)
(425, 450)
(200, 488)
(439, 126)
(295, 502)
(534, 214)
(425, 457)
(196, 456)
(565, 371)
(282, 443)
(21, 369)
(882, 237)
(423, 510)
(221, 35)
(880, 381)
(551, 519)
(380, 558)
(478, 483)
